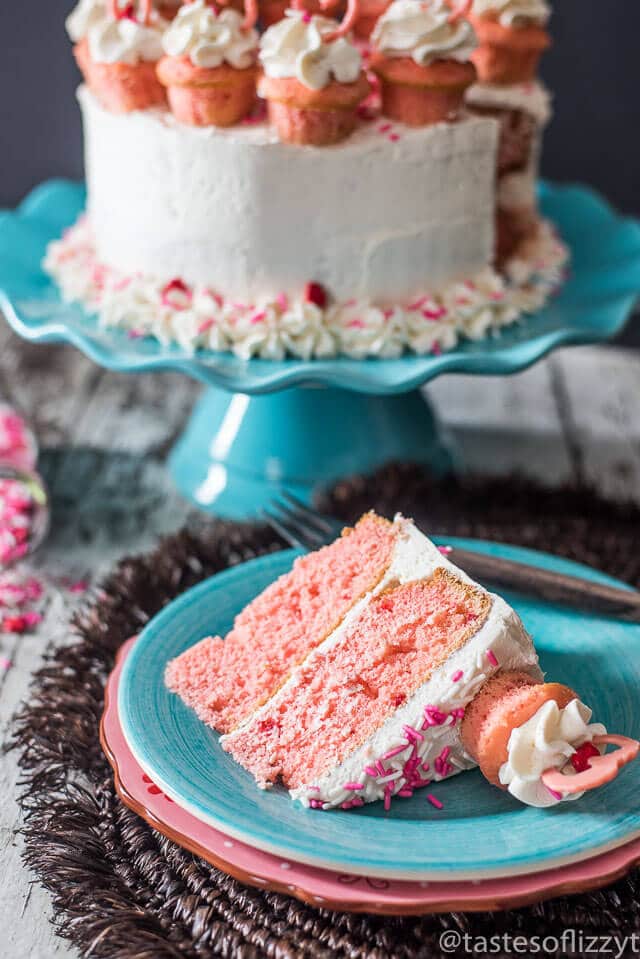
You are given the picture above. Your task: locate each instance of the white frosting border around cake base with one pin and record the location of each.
(200, 318)
(501, 642)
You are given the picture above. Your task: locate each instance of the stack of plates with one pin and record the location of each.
(483, 850)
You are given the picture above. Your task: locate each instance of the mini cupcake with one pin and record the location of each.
(512, 38)
(210, 68)
(312, 78)
(117, 50)
(421, 53)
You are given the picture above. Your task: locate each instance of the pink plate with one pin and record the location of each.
(324, 888)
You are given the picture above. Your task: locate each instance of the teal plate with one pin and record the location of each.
(480, 832)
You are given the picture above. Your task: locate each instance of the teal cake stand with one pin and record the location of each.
(261, 425)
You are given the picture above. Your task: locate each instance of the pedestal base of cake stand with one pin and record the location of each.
(239, 451)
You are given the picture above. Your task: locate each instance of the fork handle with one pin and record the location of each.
(553, 587)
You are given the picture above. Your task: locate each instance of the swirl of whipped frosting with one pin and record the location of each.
(294, 47)
(84, 16)
(125, 40)
(421, 29)
(546, 741)
(209, 39)
(514, 13)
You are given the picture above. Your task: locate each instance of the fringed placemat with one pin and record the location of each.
(121, 889)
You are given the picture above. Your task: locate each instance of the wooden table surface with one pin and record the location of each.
(105, 436)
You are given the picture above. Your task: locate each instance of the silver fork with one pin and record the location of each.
(305, 528)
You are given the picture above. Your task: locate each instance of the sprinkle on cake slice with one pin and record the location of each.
(225, 681)
(374, 711)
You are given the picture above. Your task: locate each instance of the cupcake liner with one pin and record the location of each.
(121, 87)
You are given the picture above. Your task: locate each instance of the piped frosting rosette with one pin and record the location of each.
(209, 68)
(537, 741)
(312, 78)
(117, 50)
(512, 38)
(422, 51)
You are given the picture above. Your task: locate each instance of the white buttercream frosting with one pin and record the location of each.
(532, 98)
(288, 326)
(514, 13)
(124, 40)
(546, 741)
(294, 47)
(84, 16)
(436, 749)
(421, 29)
(210, 39)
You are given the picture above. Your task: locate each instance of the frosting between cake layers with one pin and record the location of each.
(546, 741)
(210, 39)
(532, 98)
(415, 558)
(294, 47)
(424, 32)
(514, 13)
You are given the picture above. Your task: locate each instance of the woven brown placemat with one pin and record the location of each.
(121, 889)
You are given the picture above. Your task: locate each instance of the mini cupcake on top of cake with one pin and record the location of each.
(312, 77)
(512, 38)
(422, 53)
(117, 48)
(210, 64)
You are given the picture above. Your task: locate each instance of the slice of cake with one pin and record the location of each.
(376, 667)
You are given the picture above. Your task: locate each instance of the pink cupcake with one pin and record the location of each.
(210, 67)
(312, 77)
(512, 38)
(117, 50)
(422, 54)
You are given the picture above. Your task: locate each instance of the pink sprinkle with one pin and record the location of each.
(5, 664)
(418, 304)
(387, 797)
(445, 550)
(371, 771)
(425, 767)
(345, 805)
(353, 786)
(384, 128)
(356, 324)
(282, 301)
(395, 752)
(556, 795)
(435, 802)
(436, 349)
(434, 314)
(306, 17)
(357, 801)
(176, 287)
(205, 325)
(394, 137)
(412, 734)
(381, 771)
(457, 676)
(135, 334)
(405, 793)
(259, 317)
(491, 656)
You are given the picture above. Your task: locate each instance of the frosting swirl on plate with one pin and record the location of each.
(125, 40)
(421, 30)
(209, 40)
(514, 13)
(546, 741)
(294, 47)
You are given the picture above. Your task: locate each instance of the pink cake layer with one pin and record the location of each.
(224, 681)
(341, 696)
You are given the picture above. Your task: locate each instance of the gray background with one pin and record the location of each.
(593, 70)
